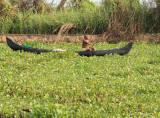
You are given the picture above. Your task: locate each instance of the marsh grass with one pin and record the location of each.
(66, 85)
(124, 15)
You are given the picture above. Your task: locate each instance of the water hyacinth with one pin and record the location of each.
(65, 84)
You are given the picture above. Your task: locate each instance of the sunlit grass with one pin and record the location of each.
(67, 85)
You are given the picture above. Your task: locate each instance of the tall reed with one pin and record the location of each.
(125, 15)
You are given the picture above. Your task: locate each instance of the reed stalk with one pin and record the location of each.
(127, 16)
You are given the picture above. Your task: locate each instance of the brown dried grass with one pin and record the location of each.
(66, 28)
(115, 33)
(64, 31)
(118, 29)
(2, 6)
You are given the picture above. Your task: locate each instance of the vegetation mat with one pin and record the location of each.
(63, 84)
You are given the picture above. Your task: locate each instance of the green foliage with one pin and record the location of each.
(63, 84)
(129, 15)
(87, 5)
